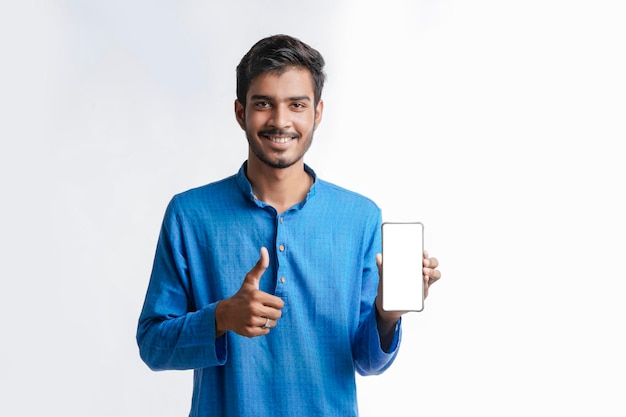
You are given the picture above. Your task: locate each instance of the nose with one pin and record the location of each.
(281, 117)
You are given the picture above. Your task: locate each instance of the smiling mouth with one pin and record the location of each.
(278, 137)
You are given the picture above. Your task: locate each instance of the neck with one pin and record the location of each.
(279, 187)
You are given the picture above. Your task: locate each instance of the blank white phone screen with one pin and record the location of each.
(402, 278)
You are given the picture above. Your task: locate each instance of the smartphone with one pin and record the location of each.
(402, 275)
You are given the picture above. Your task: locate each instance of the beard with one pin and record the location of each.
(277, 160)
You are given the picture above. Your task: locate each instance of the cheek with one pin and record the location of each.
(253, 120)
(307, 122)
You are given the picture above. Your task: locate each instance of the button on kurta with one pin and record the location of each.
(281, 248)
(282, 279)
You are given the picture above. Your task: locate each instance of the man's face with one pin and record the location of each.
(280, 117)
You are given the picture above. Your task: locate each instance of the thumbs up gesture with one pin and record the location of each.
(250, 312)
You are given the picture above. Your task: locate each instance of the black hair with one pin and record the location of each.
(275, 54)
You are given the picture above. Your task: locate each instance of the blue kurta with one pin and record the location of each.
(322, 265)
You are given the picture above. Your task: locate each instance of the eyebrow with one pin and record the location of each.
(268, 98)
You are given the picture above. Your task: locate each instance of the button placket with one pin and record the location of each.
(281, 252)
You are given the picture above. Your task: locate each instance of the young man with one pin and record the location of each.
(265, 283)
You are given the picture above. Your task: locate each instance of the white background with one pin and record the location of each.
(498, 124)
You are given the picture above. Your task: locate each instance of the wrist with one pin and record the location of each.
(387, 320)
(386, 324)
(220, 326)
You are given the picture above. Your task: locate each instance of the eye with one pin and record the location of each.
(298, 106)
(262, 104)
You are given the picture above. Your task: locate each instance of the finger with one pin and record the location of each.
(265, 322)
(254, 276)
(436, 274)
(258, 326)
(271, 308)
(255, 331)
(430, 262)
(269, 323)
(379, 264)
(265, 258)
(431, 275)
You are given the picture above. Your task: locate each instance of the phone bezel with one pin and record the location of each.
(394, 305)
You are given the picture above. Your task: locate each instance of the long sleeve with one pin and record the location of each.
(370, 358)
(172, 334)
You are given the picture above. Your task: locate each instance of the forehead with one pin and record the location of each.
(293, 82)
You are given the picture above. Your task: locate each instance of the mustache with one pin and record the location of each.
(278, 132)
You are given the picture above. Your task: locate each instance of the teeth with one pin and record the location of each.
(280, 140)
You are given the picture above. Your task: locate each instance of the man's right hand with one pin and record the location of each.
(247, 312)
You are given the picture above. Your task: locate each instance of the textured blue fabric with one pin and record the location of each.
(210, 239)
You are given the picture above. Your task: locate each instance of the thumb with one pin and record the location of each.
(254, 276)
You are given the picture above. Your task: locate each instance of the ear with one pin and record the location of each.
(319, 109)
(240, 114)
